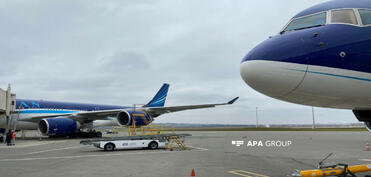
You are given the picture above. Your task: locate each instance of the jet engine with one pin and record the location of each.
(128, 118)
(59, 126)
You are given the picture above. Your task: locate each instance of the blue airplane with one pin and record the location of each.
(321, 57)
(76, 119)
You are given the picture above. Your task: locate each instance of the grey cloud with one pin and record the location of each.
(130, 61)
(120, 52)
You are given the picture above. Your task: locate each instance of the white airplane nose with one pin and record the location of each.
(272, 78)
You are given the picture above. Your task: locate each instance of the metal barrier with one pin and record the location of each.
(156, 130)
(145, 130)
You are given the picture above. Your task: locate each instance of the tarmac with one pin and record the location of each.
(212, 154)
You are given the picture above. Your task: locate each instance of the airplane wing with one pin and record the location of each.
(79, 116)
(156, 111)
(104, 114)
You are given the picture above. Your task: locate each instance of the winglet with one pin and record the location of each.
(232, 101)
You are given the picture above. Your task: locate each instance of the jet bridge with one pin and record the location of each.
(7, 106)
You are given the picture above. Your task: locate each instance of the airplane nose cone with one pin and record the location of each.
(274, 78)
(270, 78)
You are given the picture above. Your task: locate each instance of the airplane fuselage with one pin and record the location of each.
(322, 57)
(53, 118)
(26, 109)
(295, 67)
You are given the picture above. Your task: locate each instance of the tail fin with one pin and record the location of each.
(159, 99)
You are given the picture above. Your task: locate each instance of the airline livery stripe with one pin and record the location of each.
(46, 111)
(158, 101)
(335, 75)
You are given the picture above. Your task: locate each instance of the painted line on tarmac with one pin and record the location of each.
(37, 152)
(365, 160)
(21, 145)
(97, 155)
(239, 174)
(246, 173)
(198, 148)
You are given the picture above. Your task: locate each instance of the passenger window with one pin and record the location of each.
(307, 22)
(343, 16)
(365, 16)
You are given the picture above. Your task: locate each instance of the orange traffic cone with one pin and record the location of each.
(367, 146)
(193, 172)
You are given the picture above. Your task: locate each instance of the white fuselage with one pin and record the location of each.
(308, 84)
(21, 121)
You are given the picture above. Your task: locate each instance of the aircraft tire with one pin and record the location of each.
(153, 145)
(109, 147)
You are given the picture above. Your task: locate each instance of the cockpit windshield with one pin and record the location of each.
(365, 16)
(345, 16)
(307, 22)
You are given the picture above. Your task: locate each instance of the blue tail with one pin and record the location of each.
(159, 99)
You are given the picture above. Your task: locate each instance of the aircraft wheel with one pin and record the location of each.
(153, 145)
(109, 147)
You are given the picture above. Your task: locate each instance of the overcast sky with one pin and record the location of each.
(121, 52)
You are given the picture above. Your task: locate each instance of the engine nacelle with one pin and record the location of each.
(58, 126)
(128, 117)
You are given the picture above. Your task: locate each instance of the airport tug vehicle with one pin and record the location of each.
(152, 137)
(138, 142)
(340, 170)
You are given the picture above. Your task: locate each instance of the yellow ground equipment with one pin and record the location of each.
(173, 139)
(339, 170)
(176, 140)
(138, 141)
(145, 130)
(342, 170)
(156, 129)
(161, 132)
